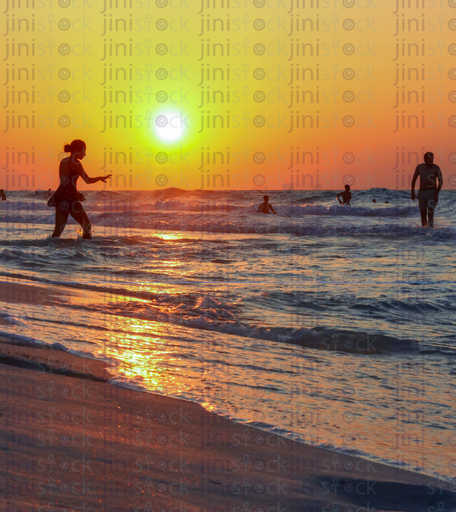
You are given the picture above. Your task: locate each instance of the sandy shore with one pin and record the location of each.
(71, 441)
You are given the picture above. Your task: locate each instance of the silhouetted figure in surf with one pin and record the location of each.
(346, 196)
(2, 195)
(66, 199)
(265, 206)
(428, 195)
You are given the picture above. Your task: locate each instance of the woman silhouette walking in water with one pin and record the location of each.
(66, 199)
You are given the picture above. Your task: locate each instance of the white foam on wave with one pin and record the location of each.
(19, 338)
(301, 213)
(6, 317)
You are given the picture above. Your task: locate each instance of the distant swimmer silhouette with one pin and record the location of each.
(2, 195)
(346, 196)
(428, 195)
(66, 199)
(265, 206)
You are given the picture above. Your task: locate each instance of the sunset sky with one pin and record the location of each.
(243, 95)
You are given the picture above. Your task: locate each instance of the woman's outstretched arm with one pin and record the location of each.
(87, 178)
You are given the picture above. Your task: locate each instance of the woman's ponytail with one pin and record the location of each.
(76, 146)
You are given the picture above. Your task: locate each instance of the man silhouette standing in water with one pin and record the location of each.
(265, 206)
(346, 196)
(428, 194)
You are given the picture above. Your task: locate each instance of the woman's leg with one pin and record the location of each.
(79, 215)
(61, 218)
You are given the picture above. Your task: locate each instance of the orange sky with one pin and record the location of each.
(244, 95)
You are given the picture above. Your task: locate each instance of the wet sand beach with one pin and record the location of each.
(70, 440)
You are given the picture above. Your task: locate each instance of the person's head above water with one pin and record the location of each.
(429, 157)
(266, 198)
(347, 188)
(76, 148)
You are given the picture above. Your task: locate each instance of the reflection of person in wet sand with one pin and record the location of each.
(428, 195)
(265, 206)
(67, 199)
(346, 196)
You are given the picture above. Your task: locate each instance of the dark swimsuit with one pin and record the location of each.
(66, 196)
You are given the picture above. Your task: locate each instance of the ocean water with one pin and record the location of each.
(330, 325)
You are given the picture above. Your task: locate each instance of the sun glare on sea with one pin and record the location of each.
(170, 125)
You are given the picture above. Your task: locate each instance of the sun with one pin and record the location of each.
(170, 125)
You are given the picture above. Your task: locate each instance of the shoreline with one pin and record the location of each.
(102, 374)
(72, 439)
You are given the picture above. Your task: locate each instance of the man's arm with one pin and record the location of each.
(438, 175)
(440, 180)
(337, 197)
(270, 206)
(415, 177)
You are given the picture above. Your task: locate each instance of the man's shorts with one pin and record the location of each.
(426, 200)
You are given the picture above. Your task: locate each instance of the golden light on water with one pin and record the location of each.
(170, 236)
(144, 354)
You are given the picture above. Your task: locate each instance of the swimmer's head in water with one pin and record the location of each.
(429, 157)
(266, 198)
(347, 188)
(76, 147)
